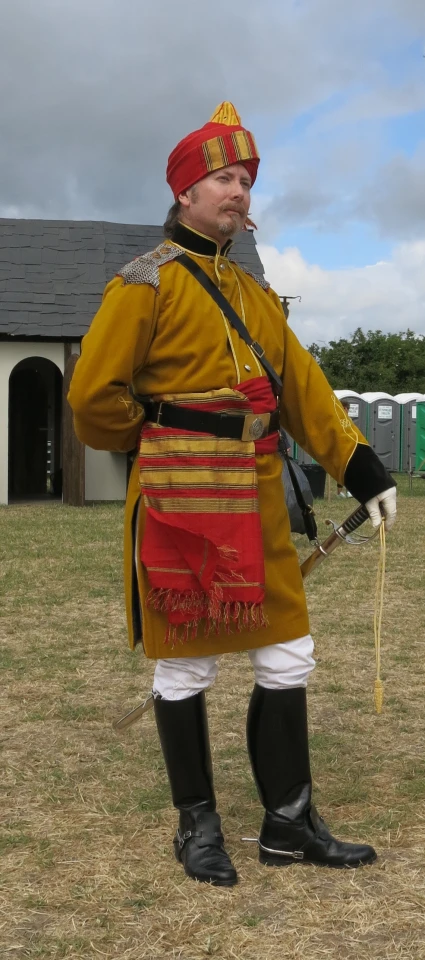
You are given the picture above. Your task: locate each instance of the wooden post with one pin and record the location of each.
(328, 483)
(285, 306)
(73, 452)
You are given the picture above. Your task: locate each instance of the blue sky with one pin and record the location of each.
(334, 228)
(97, 94)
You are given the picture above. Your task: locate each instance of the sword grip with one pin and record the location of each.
(355, 520)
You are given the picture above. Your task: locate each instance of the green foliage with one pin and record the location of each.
(391, 362)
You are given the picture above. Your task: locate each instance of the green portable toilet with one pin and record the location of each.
(420, 436)
(408, 403)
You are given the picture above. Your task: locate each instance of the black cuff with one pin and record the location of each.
(365, 475)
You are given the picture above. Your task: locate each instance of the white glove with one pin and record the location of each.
(389, 508)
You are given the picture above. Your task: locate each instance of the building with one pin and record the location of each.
(52, 275)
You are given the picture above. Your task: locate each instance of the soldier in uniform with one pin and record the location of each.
(210, 567)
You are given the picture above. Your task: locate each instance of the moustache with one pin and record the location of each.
(237, 210)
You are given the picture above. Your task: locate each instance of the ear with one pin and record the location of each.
(183, 198)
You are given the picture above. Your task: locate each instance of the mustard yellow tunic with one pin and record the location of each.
(170, 337)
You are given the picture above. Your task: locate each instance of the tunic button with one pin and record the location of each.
(222, 266)
(247, 367)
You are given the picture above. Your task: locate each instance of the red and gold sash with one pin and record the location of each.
(202, 546)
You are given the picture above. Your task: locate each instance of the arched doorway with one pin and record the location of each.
(35, 408)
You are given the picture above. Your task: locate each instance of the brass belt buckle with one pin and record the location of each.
(255, 426)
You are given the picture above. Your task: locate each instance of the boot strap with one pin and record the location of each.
(213, 839)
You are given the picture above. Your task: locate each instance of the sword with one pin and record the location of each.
(341, 534)
(134, 714)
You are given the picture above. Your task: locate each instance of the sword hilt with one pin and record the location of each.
(355, 520)
(350, 525)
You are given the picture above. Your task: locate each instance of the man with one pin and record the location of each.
(210, 566)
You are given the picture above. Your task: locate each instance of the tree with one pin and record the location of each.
(391, 362)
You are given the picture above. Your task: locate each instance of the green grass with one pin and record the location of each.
(86, 819)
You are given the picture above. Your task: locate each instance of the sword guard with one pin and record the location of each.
(354, 541)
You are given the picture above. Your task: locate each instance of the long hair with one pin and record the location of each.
(172, 219)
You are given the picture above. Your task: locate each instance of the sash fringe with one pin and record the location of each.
(209, 611)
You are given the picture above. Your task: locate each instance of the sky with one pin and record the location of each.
(96, 93)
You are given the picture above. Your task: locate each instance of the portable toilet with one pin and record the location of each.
(384, 428)
(408, 403)
(291, 445)
(357, 410)
(420, 435)
(303, 457)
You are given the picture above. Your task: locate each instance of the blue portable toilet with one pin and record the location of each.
(357, 410)
(408, 402)
(384, 428)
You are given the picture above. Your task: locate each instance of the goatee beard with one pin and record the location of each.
(227, 229)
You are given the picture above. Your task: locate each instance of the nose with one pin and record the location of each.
(237, 191)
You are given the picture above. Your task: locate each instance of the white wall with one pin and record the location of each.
(10, 354)
(106, 475)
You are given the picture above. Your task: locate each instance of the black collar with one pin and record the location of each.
(196, 242)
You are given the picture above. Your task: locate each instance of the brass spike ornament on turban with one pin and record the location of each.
(221, 142)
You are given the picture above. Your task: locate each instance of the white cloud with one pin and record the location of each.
(395, 199)
(387, 296)
(97, 93)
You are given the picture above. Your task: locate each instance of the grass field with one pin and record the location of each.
(87, 868)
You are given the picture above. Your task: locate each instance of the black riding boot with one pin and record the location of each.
(292, 831)
(198, 844)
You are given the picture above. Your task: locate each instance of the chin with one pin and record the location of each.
(229, 227)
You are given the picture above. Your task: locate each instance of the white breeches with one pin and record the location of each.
(280, 666)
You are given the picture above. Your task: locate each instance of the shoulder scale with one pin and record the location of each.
(255, 276)
(145, 269)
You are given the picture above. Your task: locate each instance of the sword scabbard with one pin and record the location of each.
(133, 715)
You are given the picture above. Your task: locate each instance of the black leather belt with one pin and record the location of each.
(248, 427)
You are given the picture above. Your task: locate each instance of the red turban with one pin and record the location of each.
(222, 141)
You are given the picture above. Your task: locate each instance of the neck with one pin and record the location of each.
(215, 235)
(193, 240)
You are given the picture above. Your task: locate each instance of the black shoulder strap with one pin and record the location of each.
(233, 318)
(236, 322)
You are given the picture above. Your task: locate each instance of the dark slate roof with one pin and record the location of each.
(53, 272)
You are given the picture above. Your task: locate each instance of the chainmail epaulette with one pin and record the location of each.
(145, 269)
(260, 280)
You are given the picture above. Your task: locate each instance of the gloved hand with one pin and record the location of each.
(389, 507)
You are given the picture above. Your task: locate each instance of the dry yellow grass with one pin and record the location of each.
(86, 822)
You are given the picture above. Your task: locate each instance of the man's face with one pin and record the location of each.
(218, 205)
